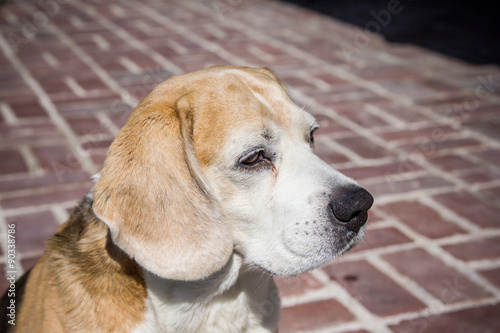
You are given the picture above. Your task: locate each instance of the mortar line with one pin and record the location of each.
(49, 108)
(436, 251)
(128, 38)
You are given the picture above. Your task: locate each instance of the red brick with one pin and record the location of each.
(16, 95)
(449, 107)
(57, 86)
(67, 177)
(11, 78)
(330, 79)
(12, 162)
(493, 275)
(488, 126)
(452, 163)
(477, 176)
(53, 158)
(433, 133)
(341, 94)
(483, 111)
(52, 196)
(90, 84)
(290, 286)
(136, 90)
(30, 108)
(32, 230)
(87, 126)
(84, 107)
(347, 107)
(311, 316)
(144, 61)
(416, 89)
(490, 155)
(383, 170)
(422, 219)
(402, 184)
(381, 237)
(429, 147)
(328, 155)
(446, 284)
(488, 248)
(402, 112)
(120, 115)
(29, 133)
(97, 145)
(366, 120)
(494, 191)
(363, 147)
(385, 72)
(375, 290)
(475, 210)
(482, 319)
(329, 126)
(295, 81)
(111, 65)
(438, 85)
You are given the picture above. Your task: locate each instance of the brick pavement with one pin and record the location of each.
(419, 130)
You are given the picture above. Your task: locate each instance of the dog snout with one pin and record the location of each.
(350, 207)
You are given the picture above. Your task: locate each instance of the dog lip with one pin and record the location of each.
(358, 221)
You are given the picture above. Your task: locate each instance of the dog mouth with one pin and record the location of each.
(352, 239)
(316, 258)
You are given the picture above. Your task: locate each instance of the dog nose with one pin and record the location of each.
(351, 208)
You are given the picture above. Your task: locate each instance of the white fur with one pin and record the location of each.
(232, 300)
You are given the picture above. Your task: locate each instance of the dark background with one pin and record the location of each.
(468, 30)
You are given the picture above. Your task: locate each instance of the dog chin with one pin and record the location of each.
(351, 239)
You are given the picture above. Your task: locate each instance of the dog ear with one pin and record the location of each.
(152, 196)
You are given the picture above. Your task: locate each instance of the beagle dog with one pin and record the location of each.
(210, 188)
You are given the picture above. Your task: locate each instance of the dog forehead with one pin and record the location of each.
(237, 106)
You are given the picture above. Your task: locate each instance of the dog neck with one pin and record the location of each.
(242, 297)
(196, 292)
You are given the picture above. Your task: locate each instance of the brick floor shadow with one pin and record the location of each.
(419, 130)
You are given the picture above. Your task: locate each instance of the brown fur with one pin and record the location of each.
(81, 278)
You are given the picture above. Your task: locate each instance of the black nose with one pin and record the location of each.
(351, 207)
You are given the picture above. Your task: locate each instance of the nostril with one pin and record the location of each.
(355, 214)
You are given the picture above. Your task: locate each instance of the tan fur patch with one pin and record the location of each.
(81, 279)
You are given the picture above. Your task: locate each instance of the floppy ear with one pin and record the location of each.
(152, 196)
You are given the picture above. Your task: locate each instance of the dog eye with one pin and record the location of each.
(253, 159)
(311, 138)
(313, 129)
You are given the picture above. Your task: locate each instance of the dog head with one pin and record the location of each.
(222, 160)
